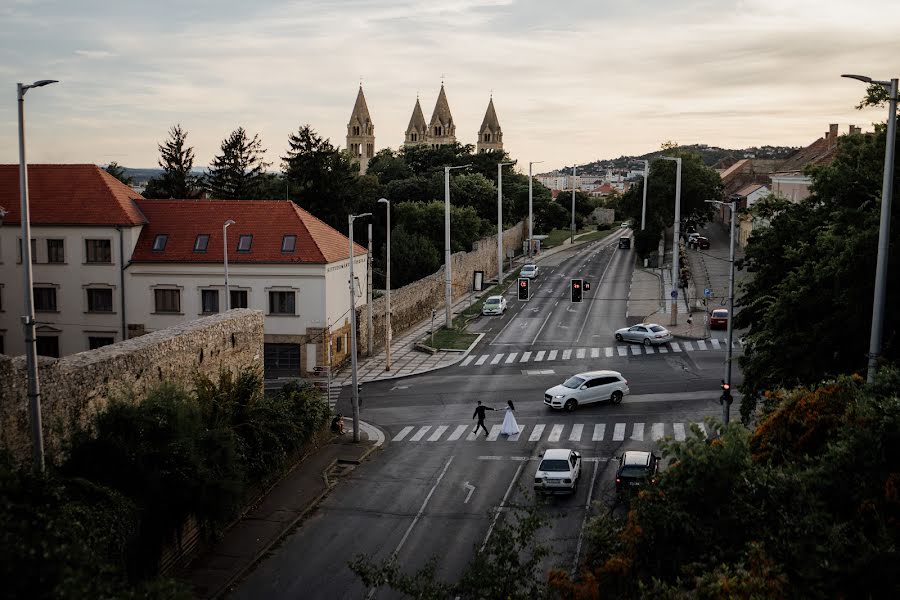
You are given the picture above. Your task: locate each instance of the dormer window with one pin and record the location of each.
(288, 243)
(201, 243)
(244, 243)
(159, 242)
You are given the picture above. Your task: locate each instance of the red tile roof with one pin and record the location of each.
(268, 221)
(69, 195)
(820, 152)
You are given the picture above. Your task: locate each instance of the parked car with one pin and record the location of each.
(701, 242)
(625, 243)
(625, 225)
(529, 271)
(558, 471)
(691, 236)
(645, 333)
(718, 319)
(587, 388)
(494, 305)
(636, 469)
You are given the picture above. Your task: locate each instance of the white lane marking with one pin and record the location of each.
(525, 356)
(595, 352)
(502, 504)
(599, 431)
(635, 350)
(495, 433)
(675, 347)
(619, 432)
(552, 355)
(688, 347)
(657, 431)
(622, 350)
(587, 512)
(481, 360)
(536, 434)
(471, 489)
(511, 358)
(403, 433)
(539, 356)
(415, 520)
(472, 435)
(437, 433)
(490, 458)
(715, 344)
(637, 432)
(580, 353)
(701, 344)
(420, 433)
(457, 433)
(567, 354)
(515, 437)
(555, 433)
(679, 431)
(547, 318)
(575, 435)
(468, 359)
(608, 352)
(497, 359)
(648, 349)
(662, 350)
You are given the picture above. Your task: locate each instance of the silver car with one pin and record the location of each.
(645, 333)
(587, 388)
(494, 305)
(529, 271)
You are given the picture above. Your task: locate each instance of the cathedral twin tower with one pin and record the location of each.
(440, 131)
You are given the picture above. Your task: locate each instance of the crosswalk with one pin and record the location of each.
(515, 358)
(551, 432)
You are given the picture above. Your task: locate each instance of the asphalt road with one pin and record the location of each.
(435, 490)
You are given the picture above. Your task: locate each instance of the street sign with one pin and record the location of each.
(674, 293)
(707, 292)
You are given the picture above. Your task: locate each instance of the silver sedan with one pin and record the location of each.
(644, 333)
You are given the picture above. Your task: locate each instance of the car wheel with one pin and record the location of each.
(616, 397)
(570, 405)
(618, 337)
(648, 342)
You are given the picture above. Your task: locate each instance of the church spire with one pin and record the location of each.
(490, 136)
(361, 133)
(441, 130)
(417, 130)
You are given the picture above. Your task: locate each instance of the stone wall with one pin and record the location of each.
(413, 302)
(76, 387)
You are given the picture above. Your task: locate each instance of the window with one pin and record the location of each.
(412, 137)
(238, 298)
(487, 137)
(99, 300)
(2, 349)
(159, 242)
(45, 299)
(281, 303)
(201, 243)
(209, 300)
(167, 301)
(244, 243)
(56, 252)
(33, 250)
(339, 346)
(98, 341)
(98, 251)
(288, 243)
(48, 345)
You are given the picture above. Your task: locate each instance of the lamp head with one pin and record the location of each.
(862, 78)
(44, 82)
(227, 223)
(384, 201)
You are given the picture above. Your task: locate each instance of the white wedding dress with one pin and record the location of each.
(510, 427)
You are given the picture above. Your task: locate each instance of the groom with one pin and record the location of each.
(479, 412)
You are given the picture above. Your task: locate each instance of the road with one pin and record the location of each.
(434, 490)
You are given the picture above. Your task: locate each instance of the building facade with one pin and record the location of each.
(361, 133)
(490, 136)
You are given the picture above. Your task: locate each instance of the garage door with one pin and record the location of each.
(282, 360)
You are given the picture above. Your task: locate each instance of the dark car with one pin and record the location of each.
(625, 242)
(699, 242)
(636, 469)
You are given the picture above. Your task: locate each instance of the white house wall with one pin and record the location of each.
(338, 289)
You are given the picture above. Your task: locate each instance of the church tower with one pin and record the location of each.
(417, 130)
(441, 130)
(361, 133)
(490, 136)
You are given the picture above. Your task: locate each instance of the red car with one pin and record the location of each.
(701, 243)
(718, 319)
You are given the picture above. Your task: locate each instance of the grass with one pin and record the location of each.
(451, 339)
(557, 236)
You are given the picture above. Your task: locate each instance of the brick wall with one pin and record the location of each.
(75, 387)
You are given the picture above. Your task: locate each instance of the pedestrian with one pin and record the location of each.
(337, 424)
(690, 323)
(510, 427)
(479, 412)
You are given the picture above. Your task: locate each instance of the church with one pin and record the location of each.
(440, 131)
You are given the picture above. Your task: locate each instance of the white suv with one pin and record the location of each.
(558, 471)
(587, 388)
(529, 271)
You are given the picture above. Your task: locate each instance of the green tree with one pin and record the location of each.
(238, 173)
(388, 167)
(413, 256)
(119, 172)
(177, 161)
(427, 218)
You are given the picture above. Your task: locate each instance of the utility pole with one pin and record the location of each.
(500, 219)
(676, 241)
(644, 203)
(726, 401)
(355, 392)
(387, 309)
(370, 343)
(530, 211)
(448, 276)
(572, 241)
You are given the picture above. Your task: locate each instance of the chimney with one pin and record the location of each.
(854, 130)
(833, 131)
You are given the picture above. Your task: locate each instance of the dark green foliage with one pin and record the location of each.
(412, 254)
(118, 171)
(177, 161)
(238, 173)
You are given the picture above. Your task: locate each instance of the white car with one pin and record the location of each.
(529, 271)
(558, 471)
(587, 388)
(645, 333)
(494, 305)
(624, 225)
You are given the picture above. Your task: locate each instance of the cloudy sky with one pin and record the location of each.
(572, 81)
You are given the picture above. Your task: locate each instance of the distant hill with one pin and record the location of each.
(142, 176)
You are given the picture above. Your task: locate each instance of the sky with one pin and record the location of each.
(572, 81)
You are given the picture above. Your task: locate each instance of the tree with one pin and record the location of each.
(413, 256)
(177, 162)
(119, 172)
(238, 173)
(388, 167)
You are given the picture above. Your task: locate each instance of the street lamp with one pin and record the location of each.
(530, 212)
(225, 248)
(34, 386)
(572, 241)
(448, 280)
(726, 406)
(676, 242)
(644, 204)
(387, 310)
(500, 219)
(884, 230)
(350, 219)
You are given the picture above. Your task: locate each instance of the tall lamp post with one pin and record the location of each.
(530, 212)
(644, 203)
(676, 241)
(884, 230)
(448, 279)
(350, 219)
(225, 226)
(726, 406)
(387, 310)
(34, 386)
(500, 219)
(572, 241)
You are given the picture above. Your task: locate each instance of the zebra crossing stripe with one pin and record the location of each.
(619, 432)
(575, 435)
(481, 360)
(689, 347)
(599, 430)
(715, 344)
(555, 433)
(437, 433)
(536, 434)
(472, 435)
(403, 433)
(497, 359)
(515, 437)
(511, 358)
(608, 352)
(580, 353)
(457, 433)
(701, 344)
(567, 354)
(539, 356)
(525, 357)
(637, 432)
(635, 350)
(552, 355)
(649, 349)
(662, 350)
(679, 431)
(595, 352)
(658, 432)
(675, 346)
(494, 434)
(623, 350)
(468, 359)
(420, 433)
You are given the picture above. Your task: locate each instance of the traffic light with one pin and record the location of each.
(524, 292)
(577, 290)
(587, 286)
(726, 394)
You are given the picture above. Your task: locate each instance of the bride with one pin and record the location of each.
(510, 427)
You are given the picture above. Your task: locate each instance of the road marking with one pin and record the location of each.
(715, 343)
(481, 360)
(515, 437)
(575, 435)
(552, 355)
(587, 512)
(511, 358)
(502, 504)
(471, 437)
(608, 352)
(497, 359)
(622, 350)
(547, 318)
(490, 458)
(635, 350)
(403, 433)
(457, 433)
(599, 431)
(662, 350)
(494, 434)
(555, 433)
(400, 387)
(649, 349)
(587, 313)
(567, 354)
(471, 489)
(525, 356)
(688, 346)
(679, 431)
(637, 432)
(536, 434)
(437, 433)
(619, 432)
(420, 433)
(468, 359)
(540, 356)
(701, 344)
(675, 347)
(580, 353)
(595, 352)
(658, 432)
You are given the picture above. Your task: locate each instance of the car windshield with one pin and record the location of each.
(657, 328)
(720, 313)
(633, 471)
(573, 382)
(526, 269)
(492, 301)
(554, 465)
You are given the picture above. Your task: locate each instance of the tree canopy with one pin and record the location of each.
(238, 173)
(177, 161)
(119, 172)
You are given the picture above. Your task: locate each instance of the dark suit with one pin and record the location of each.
(479, 412)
